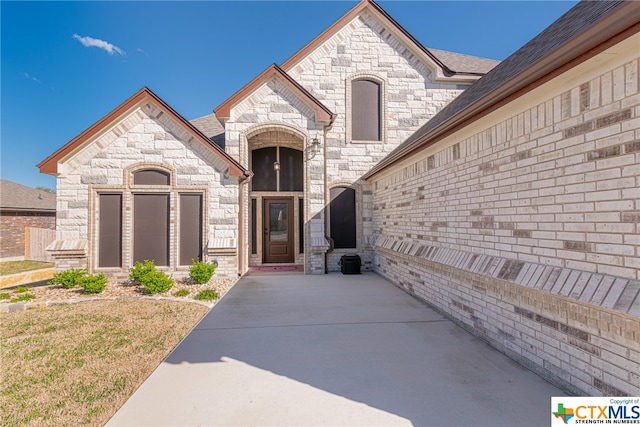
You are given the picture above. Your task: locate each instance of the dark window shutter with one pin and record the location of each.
(342, 217)
(110, 231)
(190, 228)
(264, 177)
(365, 110)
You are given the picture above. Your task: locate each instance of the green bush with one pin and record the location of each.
(68, 279)
(181, 293)
(141, 270)
(156, 282)
(23, 297)
(201, 271)
(93, 284)
(207, 295)
(20, 289)
(5, 295)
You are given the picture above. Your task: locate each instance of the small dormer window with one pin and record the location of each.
(151, 177)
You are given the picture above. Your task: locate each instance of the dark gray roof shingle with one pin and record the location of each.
(461, 63)
(211, 127)
(22, 198)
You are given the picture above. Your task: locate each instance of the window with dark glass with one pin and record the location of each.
(190, 228)
(264, 174)
(277, 169)
(342, 217)
(110, 230)
(365, 110)
(151, 177)
(151, 228)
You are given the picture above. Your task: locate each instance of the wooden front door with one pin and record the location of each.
(278, 230)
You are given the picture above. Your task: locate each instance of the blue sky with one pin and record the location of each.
(67, 64)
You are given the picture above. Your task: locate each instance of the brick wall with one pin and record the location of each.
(12, 225)
(524, 226)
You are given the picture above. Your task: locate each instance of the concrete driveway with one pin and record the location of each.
(334, 350)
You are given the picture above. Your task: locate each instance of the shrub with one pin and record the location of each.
(156, 282)
(93, 284)
(68, 279)
(20, 289)
(201, 271)
(181, 293)
(140, 270)
(207, 295)
(23, 297)
(5, 295)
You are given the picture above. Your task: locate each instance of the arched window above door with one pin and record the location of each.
(277, 169)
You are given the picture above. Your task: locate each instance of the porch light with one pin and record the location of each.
(276, 166)
(315, 146)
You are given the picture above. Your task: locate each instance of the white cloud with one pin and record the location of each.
(106, 46)
(32, 78)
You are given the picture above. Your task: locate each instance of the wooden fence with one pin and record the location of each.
(35, 242)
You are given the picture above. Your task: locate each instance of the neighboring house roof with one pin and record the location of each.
(587, 29)
(143, 96)
(449, 66)
(211, 127)
(323, 114)
(20, 198)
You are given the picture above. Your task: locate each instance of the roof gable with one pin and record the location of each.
(447, 65)
(323, 114)
(143, 96)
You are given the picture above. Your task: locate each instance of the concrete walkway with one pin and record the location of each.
(334, 350)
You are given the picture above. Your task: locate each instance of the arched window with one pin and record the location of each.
(342, 217)
(151, 177)
(277, 169)
(366, 110)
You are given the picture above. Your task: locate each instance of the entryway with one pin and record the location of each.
(278, 230)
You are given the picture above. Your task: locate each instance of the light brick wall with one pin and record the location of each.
(146, 138)
(410, 96)
(551, 192)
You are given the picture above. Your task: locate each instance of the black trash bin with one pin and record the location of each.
(350, 264)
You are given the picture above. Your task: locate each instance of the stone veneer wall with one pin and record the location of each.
(12, 229)
(146, 138)
(527, 231)
(363, 48)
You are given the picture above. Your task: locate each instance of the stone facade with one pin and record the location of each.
(523, 226)
(362, 48)
(145, 139)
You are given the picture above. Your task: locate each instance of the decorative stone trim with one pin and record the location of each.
(611, 292)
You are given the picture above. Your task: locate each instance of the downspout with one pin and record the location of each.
(327, 194)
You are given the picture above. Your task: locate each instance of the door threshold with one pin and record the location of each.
(277, 268)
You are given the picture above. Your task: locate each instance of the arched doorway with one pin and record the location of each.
(276, 159)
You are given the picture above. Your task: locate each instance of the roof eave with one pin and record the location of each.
(611, 29)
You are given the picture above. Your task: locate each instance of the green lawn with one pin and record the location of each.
(13, 267)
